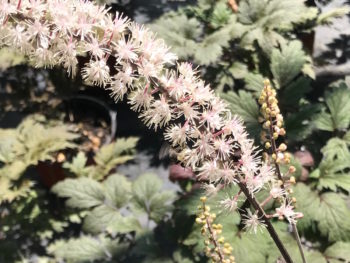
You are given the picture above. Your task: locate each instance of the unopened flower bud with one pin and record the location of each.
(292, 169)
(282, 147)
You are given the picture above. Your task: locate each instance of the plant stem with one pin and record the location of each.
(266, 220)
(279, 175)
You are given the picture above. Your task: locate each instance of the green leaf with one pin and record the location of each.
(328, 210)
(81, 193)
(221, 15)
(99, 218)
(148, 197)
(308, 204)
(238, 70)
(333, 171)
(323, 121)
(124, 225)
(118, 190)
(179, 32)
(83, 249)
(295, 91)
(244, 105)
(325, 18)
(338, 103)
(77, 166)
(333, 217)
(113, 154)
(299, 124)
(287, 63)
(210, 49)
(254, 82)
(338, 252)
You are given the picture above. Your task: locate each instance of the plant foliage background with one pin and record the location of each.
(63, 199)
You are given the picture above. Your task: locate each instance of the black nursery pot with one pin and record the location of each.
(79, 108)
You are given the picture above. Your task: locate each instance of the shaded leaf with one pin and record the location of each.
(287, 63)
(81, 192)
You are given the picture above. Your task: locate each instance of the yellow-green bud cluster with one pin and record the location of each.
(272, 121)
(215, 246)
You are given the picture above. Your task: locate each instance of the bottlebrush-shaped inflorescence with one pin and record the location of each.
(129, 61)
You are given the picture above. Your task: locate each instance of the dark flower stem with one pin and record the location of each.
(267, 222)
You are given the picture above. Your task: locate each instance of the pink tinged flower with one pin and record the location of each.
(82, 27)
(95, 48)
(97, 72)
(6, 9)
(147, 69)
(38, 31)
(189, 111)
(286, 211)
(67, 55)
(203, 94)
(266, 172)
(34, 7)
(176, 134)
(140, 99)
(118, 90)
(254, 182)
(139, 32)
(160, 54)
(227, 175)
(119, 24)
(223, 147)
(17, 36)
(158, 115)
(213, 120)
(229, 204)
(125, 75)
(126, 50)
(186, 70)
(204, 145)
(209, 171)
(189, 158)
(210, 189)
(252, 222)
(276, 191)
(43, 58)
(62, 24)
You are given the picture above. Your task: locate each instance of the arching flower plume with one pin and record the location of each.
(132, 63)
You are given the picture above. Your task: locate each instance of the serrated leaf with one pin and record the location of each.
(81, 192)
(254, 82)
(338, 252)
(323, 121)
(244, 105)
(326, 18)
(78, 165)
(338, 103)
(287, 63)
(118, 190)
(221, 15)
(333, 217)
(238, 70)
(148, 197)
(113, 154)
(308, 204)
(179, 32)
(124, 225)
(99, 218)
(83, 249)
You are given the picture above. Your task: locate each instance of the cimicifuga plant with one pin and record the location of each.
(132, 63)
